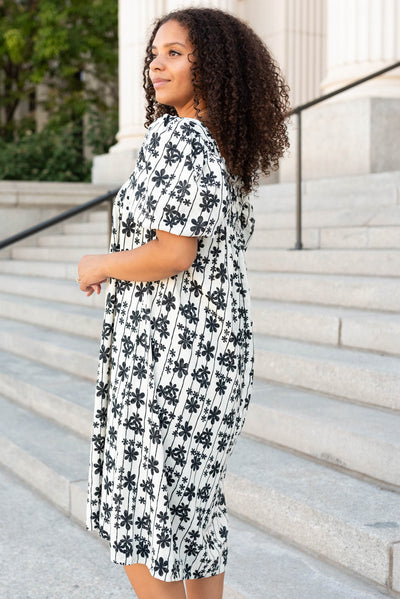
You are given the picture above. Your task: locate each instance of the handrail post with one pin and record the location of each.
(109, 218)
(298, 245)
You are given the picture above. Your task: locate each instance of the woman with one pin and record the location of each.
(176, 358)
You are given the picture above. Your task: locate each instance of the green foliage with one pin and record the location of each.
(50, 155)
(53, 42)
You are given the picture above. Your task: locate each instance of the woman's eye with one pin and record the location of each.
(175, 52)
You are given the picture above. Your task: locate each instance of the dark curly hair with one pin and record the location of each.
(245, 93)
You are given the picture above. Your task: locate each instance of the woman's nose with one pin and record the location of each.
(156, 63)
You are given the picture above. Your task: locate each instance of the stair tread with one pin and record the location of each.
(51, 380)
(45, 304)
(328, 491)
(53, 445)
(65, 341)
(28, 520)
(377, 362)
(376, 424)
(328, 311)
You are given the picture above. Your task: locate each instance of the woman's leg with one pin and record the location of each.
(148, 587)
(205, 588)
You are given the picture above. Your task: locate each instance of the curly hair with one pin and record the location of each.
(244, 91)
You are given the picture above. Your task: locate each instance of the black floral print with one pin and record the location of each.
(176, 362)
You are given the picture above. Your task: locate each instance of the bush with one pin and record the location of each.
(50, 155)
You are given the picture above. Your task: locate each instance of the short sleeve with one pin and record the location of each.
(179, 184)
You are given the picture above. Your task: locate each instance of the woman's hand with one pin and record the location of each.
(91, 273)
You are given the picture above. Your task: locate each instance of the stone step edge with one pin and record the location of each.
(281, 516)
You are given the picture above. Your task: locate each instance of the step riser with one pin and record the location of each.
(325, 443)
(72, 241)
(296, 523)
(361, 237)
(73, 362)
(47, 269)
(68, 293)
(54, 254)
(86, 229)
(329, 218)
(46, 404)
(339, 379)
(347, 262)
(361, 333)
(51, 485)
(379, 295)
(51, 319)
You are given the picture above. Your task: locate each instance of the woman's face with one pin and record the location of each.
(170, 71)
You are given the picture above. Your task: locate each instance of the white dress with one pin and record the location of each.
(176, 362)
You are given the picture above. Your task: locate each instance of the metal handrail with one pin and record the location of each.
(298, 110)
(59, 218)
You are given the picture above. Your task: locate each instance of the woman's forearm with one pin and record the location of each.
(147, 262)
(160, 258)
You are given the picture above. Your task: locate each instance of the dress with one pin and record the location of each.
(176, 362)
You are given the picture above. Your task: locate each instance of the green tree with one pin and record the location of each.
(71, 46)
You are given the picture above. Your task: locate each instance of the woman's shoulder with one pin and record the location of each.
(175, 129)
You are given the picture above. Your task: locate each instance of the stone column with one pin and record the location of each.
(363, 37)
(134, 24)
(355, 132)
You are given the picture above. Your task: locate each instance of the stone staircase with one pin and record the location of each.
(313, 485)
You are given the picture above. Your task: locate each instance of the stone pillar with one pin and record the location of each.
(363, 37)
(134, 23)
(355, 132)
(295, 32)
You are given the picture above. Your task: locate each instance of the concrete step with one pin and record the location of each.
(289, 498)
(74, 241)
(32, 268)
(57, 396)
(362, 440)
(89, 228)
(366, 293)
(98, 216)
(347, 327)
(349, 374)
(330, 217)
(58, 290)
(357, 191)
(58, 316)
(344, 237)
(58, 547)
(338, 517)
(282, 238)
(256, 561)
(54, 254)
(359, 439)
(383, 237)
(366, 262)
(68, 353)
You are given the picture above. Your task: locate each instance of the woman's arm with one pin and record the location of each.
(158, 259)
